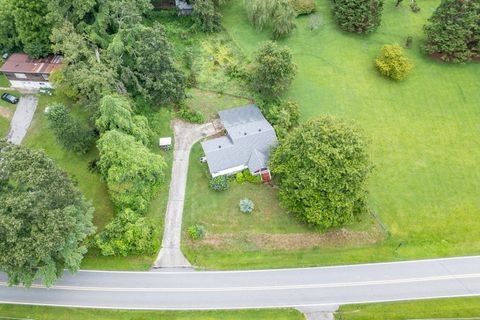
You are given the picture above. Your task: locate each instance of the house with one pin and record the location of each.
(24, 72)
(246, 145)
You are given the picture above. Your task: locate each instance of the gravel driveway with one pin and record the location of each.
(22, 118)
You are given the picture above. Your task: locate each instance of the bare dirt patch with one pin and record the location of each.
(290, 241)
(4, 112)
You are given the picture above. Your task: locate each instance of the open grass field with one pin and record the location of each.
(91, 185)
(453, 308)
(424, 137)
(53, 313)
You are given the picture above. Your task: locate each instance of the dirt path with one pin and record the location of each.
(185, 136)
(4, 112)
(22, 118)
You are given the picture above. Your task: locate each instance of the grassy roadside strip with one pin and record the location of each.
(10, 311)
(452, 308)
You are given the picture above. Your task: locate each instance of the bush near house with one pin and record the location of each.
(190, 115)
(219, 183)
(393, 63)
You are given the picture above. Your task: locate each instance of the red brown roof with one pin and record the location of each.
(22, 63)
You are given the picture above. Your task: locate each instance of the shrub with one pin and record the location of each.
(283, 115)
(360, 16)
(246, 205)
(321, 168)
(73, 135)
(273, 70)
(414, 6)
(206, 16)
(393, 63)
(196, 232)
(127, 234)
(277, 14)
(408, 42)
(219, 183)
(315, 21)
(453, 31)
(239, 178)
(251, 178)
(190, 115)
(304, 6)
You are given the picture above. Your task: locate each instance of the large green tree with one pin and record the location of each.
(116, 114)
(83, 77)
(453, 31)
(32, 27)
(70, 10)
(321, 168)
(273, 70)
(71, 133)
(44, 219)
(360, 16)
(128, 233)
(133, 173)
(148, 67)
(9, 40)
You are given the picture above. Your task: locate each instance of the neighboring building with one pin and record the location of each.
(184, 8)
(246, 145)
(24, 72)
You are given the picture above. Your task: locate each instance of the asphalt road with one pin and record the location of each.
(257, 289)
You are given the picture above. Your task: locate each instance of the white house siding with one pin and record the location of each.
(30, 84)
(229, 171)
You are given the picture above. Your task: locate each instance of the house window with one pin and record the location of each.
(20, 76)
(45, 77)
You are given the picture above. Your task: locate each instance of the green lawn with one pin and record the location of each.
(55, 313)
(91, 185)
(423, 132)
(6, 113)
(209, 102)
(454, 308)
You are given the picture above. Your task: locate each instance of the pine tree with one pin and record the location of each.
(360, 16)
(453, 31)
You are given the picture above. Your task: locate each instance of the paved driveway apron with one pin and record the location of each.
(186, 135)
(22, 118)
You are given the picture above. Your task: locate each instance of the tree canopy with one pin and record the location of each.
(32, 27)
(132, 172)
(273, 70)
(147, 67)
(43, 217)
(116, 114)
(453, 31)
(321, 168)
(71, 133)
(359, 16)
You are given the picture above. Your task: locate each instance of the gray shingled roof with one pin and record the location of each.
(248, 141)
